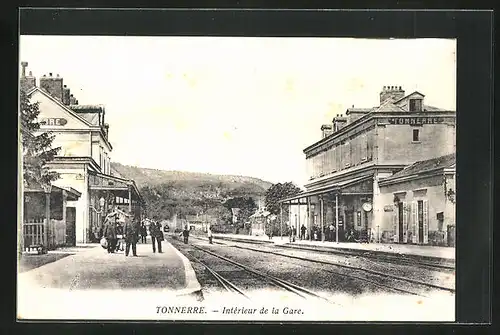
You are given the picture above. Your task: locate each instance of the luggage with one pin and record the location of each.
(104, 243)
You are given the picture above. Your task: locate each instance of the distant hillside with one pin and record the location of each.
(177, 192)
(152, 177)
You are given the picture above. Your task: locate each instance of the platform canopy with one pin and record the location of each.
(354, 186)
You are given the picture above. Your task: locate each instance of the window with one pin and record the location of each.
(416, 135)
(363, 147)
(415, 105)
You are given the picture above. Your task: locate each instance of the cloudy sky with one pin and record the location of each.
(245, 106)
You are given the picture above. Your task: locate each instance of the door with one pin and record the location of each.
(420, 210)
(70, 226)
(400, 223)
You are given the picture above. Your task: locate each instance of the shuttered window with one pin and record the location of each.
(364, 147)
(405, 222)
(425, 206)
(414, 222)
(334, 159)
(369, 145)
(395, 229)
(346, 155)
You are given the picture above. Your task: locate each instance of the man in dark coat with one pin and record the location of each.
(131, 232)
(156, 235)
(185, 234)
(110, 232)
(144, 232)
(303, 232)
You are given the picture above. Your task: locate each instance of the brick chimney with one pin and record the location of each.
(391, 92)
(26, 82)
(66, 95)
(106, 130)
(339, 122)
(326, 130)
(53, 85)
(72, 100)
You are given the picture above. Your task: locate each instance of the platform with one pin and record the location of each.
(92, 272)
(423, 251)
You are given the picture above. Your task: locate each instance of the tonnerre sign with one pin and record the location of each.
(418, 120)
(53, 121)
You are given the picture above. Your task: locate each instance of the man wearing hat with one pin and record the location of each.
(131, 232)
(110, 232)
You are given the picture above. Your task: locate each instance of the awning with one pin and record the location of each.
(71, 193)
(119, 186)
(342, 187)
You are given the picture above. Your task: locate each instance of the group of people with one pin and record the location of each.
(114, 233)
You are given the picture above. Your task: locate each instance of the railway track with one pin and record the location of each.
(230, 287)
(385, 258)
(357, 269)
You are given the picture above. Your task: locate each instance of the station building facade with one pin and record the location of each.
(358, 151)
(84, 162)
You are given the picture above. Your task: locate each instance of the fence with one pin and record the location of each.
(34, 230)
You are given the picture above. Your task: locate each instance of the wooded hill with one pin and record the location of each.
(183, 193)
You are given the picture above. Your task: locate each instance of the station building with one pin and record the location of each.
(360, 150)
(84, 161)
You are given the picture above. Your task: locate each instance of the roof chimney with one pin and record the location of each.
(53, 85)
(26, 83)
(24, 65)
(66, 95)
(391, 92)
(326, 130)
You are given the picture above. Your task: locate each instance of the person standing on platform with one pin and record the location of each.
(156, 235)
(303, 232)
(332, 232)
(185, 234)
(144, 232)
(294, 234)
(209, 234)
(131, 232)
(110, 232)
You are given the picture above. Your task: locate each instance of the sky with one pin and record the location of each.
(235, 105)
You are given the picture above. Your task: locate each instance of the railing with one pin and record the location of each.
(34, 233)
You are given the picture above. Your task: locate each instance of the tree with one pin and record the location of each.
(37, 147)
(278, 192)
(274, 194)
(246, 205)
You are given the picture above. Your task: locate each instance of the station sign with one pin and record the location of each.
(419, 120)
(54, 121)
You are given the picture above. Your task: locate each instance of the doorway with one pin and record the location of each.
(71, 226)
(420, 211)
(400, 223)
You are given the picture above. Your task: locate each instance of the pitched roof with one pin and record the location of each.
(389, 106)
(433, 109)
(422, 167)
(406, 96)
(358, 110)
(71, 112)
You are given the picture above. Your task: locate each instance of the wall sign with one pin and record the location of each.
(415, 120)
(54, 121)
(388, 208)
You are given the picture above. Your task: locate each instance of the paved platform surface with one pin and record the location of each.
(401, 249)
(91, 267)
